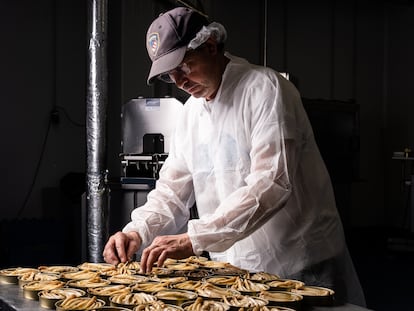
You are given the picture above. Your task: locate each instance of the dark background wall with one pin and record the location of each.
(351, 55)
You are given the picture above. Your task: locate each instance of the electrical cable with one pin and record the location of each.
(192, 8)
(26, 199)
(50, 122)
(69, 118)
(200, 6)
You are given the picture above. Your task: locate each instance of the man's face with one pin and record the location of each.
(198, 74)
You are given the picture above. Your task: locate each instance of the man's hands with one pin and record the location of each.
(167, 246)
(121, 247)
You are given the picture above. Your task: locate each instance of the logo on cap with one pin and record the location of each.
(153, 43)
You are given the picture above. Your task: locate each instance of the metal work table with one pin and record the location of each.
(12, 299)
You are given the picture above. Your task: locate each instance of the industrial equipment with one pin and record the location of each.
(147, 125)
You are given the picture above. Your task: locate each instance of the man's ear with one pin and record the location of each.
(211, 44)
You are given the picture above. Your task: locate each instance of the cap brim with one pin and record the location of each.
(166, 63)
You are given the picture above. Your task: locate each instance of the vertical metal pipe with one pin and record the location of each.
(97, 193)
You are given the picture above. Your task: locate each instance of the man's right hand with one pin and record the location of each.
(121, 247)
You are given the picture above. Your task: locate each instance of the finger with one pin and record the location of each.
(120, 248)
(115, 249)
(143, 260)
(153, 257)
(132, 248)
(108, 254)
(149, 257)
(112, 259)
(162, 257)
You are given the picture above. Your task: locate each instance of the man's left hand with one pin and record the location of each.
(167, 246)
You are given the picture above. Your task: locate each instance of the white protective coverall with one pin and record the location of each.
(264, 197)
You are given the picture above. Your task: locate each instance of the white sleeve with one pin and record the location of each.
(167, 209)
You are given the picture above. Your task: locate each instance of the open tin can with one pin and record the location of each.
(316, 296)
(48, 298)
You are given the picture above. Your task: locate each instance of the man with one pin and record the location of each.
(244, 151)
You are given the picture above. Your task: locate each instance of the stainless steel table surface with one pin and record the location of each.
(12, 299)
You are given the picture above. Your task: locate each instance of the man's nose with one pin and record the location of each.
(179, 79)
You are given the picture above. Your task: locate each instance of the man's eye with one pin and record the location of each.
(184, 68)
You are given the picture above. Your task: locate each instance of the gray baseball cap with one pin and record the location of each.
(168, 37)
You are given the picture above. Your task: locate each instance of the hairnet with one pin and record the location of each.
(215, 30)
